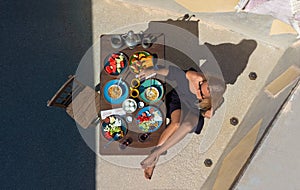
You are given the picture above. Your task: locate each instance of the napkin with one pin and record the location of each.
(116, 111)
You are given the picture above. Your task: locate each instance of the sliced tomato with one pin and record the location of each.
(106, 120)
(122, 64)
(114, 68)
(111, 59)
(114, 55)
(108, 69)
(112, 62)
(107, 135)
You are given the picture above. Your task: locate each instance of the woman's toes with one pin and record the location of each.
(148, 172)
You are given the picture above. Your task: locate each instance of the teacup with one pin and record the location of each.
(148, 41)
(116, 41)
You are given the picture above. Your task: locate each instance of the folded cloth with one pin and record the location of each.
(115, 111)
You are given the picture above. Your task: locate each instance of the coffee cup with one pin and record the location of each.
(135, 83)
(134, 93)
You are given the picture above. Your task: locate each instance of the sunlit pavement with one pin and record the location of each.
(277, 158)
(186, 170)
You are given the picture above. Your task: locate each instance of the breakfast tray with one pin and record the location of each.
(136, 147)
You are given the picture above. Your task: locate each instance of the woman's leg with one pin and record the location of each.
(175, 119)
(185, 127)
(173, 126)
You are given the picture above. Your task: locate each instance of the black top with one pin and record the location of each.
(187, 98)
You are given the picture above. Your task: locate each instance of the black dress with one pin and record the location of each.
(180, 97)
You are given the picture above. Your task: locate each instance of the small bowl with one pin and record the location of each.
(115, 64)
(107, 126)
(116, 41)
(129, 105)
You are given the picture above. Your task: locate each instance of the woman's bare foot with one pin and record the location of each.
(150, 161)
(148, 172)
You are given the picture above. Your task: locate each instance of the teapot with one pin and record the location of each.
(131, 39)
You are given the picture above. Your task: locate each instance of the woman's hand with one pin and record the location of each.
(195, 76)
(208, 114)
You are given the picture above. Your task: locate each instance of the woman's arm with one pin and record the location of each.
(148, 72)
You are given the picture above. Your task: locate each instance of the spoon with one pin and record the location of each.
(118, 84)
(108, 143)
(115, 138)
(119, 81)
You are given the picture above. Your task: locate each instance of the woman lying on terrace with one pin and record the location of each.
(187, 105)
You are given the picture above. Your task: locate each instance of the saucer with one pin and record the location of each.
(154, 84)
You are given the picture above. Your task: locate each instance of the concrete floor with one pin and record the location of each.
(276, 164)
(43, 43)
(111, 16)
